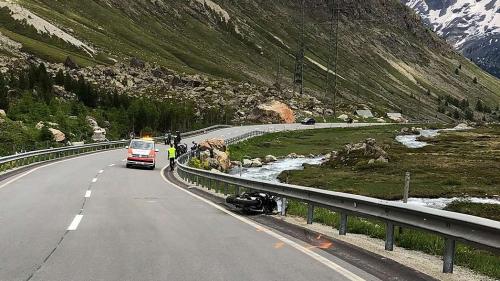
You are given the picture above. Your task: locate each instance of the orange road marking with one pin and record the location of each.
(279, 245)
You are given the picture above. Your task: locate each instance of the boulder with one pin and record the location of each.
(2, 113)
(204, 155)
(343, 117)
(462, 126)
(58, 135)
(247, 163)
(223, 160)
(208, 144)
(70, 63)
(158, 72)
(366, 151)
(397, 117)
(213, 163)
(92, 122)
(257, 163)
(270, 158)
(39, 125)
(109, 72)
(137, 63)
(99, 134)
(273, 112)
(236, 163)
(382, 159)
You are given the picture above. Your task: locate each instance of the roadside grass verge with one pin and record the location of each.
(489, 211)
(320, 141)
(480, 261)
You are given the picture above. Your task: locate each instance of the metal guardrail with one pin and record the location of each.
(452, 226)
(15, 161)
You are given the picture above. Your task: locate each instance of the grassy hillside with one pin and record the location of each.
(387, 59)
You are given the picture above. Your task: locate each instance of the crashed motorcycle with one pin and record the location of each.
(259, 202)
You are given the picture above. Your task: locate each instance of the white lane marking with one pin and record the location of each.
(332, 265)
(76, 221)
(94, 180)
(111, 165)
(124, 160)
(47, 165)
(101, 171)
(87, 193)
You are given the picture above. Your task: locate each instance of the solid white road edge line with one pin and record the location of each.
(94, 180)
(47, 165)
(76, 221)
(101, 171)
(88, 193)
(332, 265)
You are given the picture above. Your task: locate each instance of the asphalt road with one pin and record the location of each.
(90, 218)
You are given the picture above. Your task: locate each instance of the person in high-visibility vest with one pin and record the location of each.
(171, 156)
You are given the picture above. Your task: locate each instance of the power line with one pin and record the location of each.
(299, 58)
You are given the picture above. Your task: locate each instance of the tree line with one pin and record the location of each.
(126, 114)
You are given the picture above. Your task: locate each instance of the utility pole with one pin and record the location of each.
(336, 12)
(299, 58)
(333, 51)
(329, 63)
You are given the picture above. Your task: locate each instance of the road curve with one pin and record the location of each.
(90, 218)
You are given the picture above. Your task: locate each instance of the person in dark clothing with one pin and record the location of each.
(168, 138)
(177, 139)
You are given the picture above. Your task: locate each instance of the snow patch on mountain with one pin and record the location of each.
(21, 14)
(460, 20)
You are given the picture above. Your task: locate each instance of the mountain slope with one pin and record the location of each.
(394, 64)
(472, 26)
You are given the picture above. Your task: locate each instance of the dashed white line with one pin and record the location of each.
(111, 165)
(76, 221)
(47, 165)
(101, 171)
(87, 193)
(94, 180)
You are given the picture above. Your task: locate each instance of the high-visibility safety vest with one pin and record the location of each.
(171, 152)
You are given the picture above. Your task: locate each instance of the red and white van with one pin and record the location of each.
(142, 153)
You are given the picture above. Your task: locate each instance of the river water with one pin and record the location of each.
(411, 141)
(270, 172)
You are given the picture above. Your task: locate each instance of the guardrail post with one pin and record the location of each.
(237, 190)
(449, 255)
(389, 236)
(310, 213)
(343, 224)
(226, 187)
(284, 204)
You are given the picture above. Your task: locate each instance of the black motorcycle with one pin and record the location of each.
(182, 149)
(260, 202)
